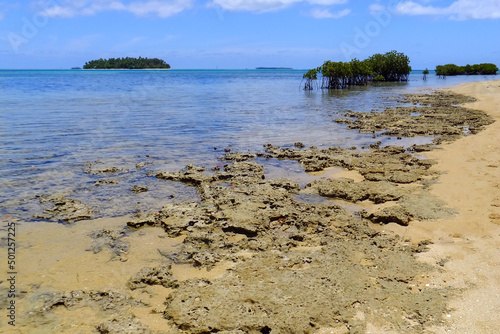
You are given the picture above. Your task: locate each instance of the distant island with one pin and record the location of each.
(274, 68)
(476, 69)
(126, 63)
(76, 68)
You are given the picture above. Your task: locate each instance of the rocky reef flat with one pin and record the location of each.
(259, 254)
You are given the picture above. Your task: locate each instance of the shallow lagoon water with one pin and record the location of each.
(53, 122)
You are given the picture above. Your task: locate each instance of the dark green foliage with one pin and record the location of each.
(126, 63)
(310, 76)
(342, 75)
(485, 68)
(448, 69)
(392, 66)
(477, 69)
(425, 72)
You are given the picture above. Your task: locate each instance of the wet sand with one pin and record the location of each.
(77, 278)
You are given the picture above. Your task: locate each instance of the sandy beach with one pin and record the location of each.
(253, 258)
(470, 241)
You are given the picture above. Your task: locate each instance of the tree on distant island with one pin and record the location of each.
(127, 63)
(477, 69)
(391, 66)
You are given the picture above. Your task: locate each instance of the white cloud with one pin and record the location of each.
(376, 8)
(328, 2)
(166, 8)
(60, 11)
(413, 8)
(324, 13)
(71, 8)
(253, 5)
(159, 8)
(459, 9)
(267, 5)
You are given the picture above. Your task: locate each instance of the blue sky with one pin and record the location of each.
(247, 33)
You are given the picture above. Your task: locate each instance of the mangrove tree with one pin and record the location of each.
(391, 66)
(476, 69)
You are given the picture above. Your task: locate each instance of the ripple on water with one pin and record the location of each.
(52, 122)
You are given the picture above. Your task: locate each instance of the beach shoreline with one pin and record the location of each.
(470, 241)
(462, 255)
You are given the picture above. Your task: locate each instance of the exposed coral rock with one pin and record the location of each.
(438, 116)
(105, 300)
(347, 189)
(101, 182)
(160, 275)
(393, 214)
(64, 209)
(122, 325)
(139, 189)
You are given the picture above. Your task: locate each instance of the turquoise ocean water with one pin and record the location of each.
(53, 122)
